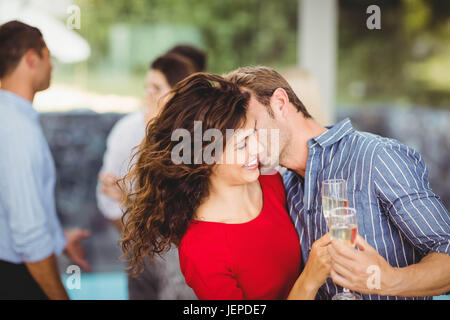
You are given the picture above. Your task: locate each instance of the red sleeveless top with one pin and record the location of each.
(258, 259)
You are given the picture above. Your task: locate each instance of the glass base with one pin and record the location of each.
(346, 296)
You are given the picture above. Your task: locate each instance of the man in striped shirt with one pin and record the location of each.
(404, 227)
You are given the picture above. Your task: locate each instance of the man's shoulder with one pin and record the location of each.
(374, 151)
(368, 139)
(9, 113)
(376, 144)
(16, 126)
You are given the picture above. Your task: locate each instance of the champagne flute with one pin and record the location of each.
(344, 226)
(334, 195)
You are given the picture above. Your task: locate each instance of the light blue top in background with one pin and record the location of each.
(29, 227)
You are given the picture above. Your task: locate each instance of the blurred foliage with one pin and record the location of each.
(408, 60)
(235, 32)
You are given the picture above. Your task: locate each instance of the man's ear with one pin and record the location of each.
(279, 101)
(31, 58)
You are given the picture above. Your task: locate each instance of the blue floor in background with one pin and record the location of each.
(442, 298)
(113, 286)
(100, 286)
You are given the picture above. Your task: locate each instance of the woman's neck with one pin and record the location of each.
(231, 204)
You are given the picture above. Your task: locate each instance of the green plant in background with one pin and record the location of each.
(234, 32)
(406, 61)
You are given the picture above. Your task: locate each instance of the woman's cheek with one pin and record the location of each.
(242, 157)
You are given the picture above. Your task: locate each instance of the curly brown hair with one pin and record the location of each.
(161, 197)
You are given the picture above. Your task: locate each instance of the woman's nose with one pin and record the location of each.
(255, 147)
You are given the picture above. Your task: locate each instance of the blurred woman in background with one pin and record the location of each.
(129, 131)
(198, 57)
(162, 280)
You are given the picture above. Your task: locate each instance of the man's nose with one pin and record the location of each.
(255, 147)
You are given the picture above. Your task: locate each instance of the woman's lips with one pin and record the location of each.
(251, 165)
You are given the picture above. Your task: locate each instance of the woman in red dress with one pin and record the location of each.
(206, 196)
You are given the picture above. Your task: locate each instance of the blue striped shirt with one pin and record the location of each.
(29, 227)
(398, 213)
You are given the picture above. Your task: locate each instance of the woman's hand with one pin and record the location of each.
(110, 187)
(316, 271)
(318, 266)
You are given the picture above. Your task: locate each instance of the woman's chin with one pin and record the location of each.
(250, 175)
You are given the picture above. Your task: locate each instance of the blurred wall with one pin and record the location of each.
(77, 141)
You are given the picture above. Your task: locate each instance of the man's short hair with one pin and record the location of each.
(16, 38)
(263, 81)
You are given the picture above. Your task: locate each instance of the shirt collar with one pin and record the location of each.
(333, 134)
(20, 103)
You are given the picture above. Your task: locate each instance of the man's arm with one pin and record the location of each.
(46, 274)
(429, 277)
(32, 234)
(400, 181)
(367, 272)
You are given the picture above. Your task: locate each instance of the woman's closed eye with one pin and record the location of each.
(242, 146)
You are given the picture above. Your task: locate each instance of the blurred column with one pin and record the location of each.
(317, 46)
(120, 47)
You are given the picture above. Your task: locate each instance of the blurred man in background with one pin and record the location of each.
(30, 234)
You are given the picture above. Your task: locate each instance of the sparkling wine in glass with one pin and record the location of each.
(334, 195)
(344, 226)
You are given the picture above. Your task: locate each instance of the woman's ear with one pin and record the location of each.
(279, 101)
